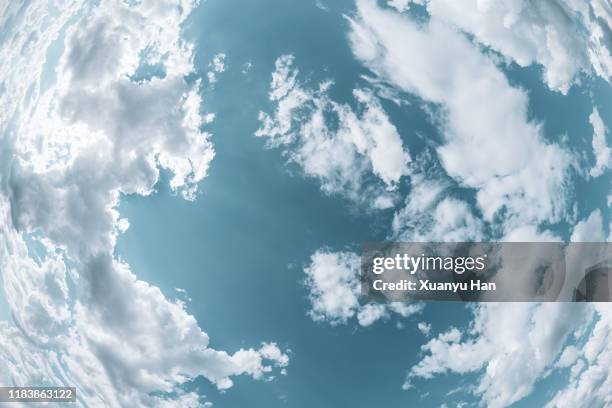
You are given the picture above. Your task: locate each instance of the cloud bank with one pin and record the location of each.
(490, 147)
(77, 134)
(566, 38)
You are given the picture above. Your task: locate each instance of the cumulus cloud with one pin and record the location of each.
(590, 229)
(424, 328)
(590, 383)
(519, 179)
(370, 313)
(218, 62)
(333, 285)
(526, 342)
(564, 37)
(430, 215)
(332, 279)
(217, 66)
(99, 130)
(339, 152)
(601, 150)
(490, 147)
(532, 339)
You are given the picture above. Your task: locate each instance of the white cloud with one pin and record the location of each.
(495, 149)
(568, 357)
(428, 216)
(246, 67)
(530, 233)
(370, 313)
(601, 150)
(341, 155)
(590, 383)
(69, 151)
(589, 230)
(403, 5)
(565, 37)
(218, 62)
(217, 66)
(504, 338)
(529, 339)
(491, 147)
(424, 328)
(332, 279)
(406, 309)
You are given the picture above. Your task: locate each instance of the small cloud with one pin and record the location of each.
(247, 67)
(332, 279)
(424, 328)
(217, 66)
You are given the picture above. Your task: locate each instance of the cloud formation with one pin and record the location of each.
(565, 37)
(590, 380)
(490, 147)
(217, 66)
(601, 150)
(431, 215)
(532, 339)
(332, 279)
(74, 140)
(526, 341)
(339, 152)
(520, 180)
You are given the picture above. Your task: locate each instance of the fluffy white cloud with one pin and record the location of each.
(429, 216)
(218, 62)
(333, 282)
(512, 345)
(495, 149)
(72, 143)
(370, 313)
(334, 287)
(589, 230)
(590, 383)
(341, 154)
(217, 66)
(601, 150)
(424, 328)
(491, 147)
(430, 213)
(565, 37)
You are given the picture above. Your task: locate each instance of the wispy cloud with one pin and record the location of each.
(333, 142)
